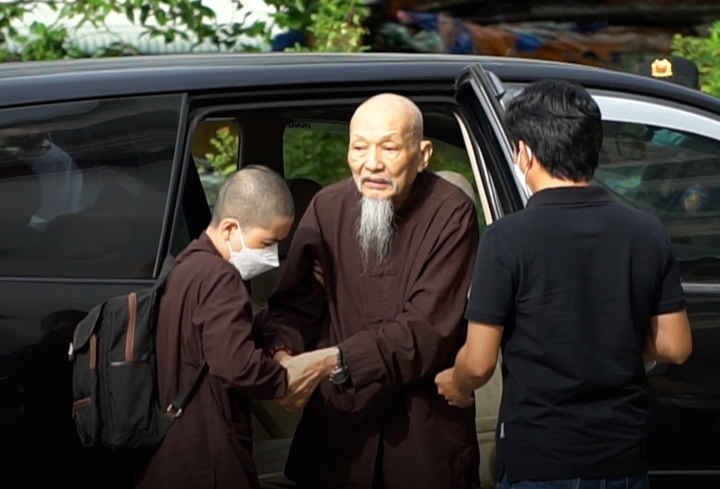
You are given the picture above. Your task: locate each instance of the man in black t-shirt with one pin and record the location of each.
(577, 291)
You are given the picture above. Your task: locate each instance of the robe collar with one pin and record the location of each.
(203, 244)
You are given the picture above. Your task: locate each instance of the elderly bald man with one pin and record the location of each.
(205, 317)
(396, 246)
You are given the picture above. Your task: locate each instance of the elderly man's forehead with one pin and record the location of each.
(374, 134)
(382, 121)
(388, 105)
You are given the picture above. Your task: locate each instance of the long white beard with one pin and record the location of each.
(376, 228)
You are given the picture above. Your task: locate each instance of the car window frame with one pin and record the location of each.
(170, 199)
(666, 113)
(483, 113)
(638, 109)
(177, 182)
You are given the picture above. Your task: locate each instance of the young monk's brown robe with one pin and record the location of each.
(205, 316)
(398, 325)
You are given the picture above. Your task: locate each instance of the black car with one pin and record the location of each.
(105, 168)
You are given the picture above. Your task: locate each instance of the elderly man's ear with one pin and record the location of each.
(426, 152)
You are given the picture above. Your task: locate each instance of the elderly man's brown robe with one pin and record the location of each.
(205, 316)
(398, 325)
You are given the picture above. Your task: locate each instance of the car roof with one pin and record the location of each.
(51, 81)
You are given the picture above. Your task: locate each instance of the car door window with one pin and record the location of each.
(664, 159)
(84, 186)
(215, 151)
(316, 150)
(673, 174)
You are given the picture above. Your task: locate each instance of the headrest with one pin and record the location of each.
(457, 180)
(604, 157)
(302, 190)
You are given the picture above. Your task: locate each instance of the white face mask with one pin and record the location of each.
(253, 262)
(522, 176)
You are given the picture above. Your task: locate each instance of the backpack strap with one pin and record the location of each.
(177, 405)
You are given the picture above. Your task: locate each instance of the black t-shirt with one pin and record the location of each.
(574, 279)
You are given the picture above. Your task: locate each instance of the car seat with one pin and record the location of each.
(487, 398)
(458, 180)
(302, 190)
(270, 420)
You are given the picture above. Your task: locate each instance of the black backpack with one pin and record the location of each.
(115, 392)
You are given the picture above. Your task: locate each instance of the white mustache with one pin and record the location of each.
(389, 181)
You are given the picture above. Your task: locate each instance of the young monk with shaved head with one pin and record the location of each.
(396, 246)
(205, 317)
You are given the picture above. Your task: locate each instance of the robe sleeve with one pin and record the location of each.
(298, 305)
(227, 340)
(423, 338)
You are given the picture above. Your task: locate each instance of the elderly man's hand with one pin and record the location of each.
(305, 372)
(448, 389)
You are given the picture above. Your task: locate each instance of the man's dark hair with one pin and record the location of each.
(562, 125)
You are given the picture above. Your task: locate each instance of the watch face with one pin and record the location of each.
(340, 375)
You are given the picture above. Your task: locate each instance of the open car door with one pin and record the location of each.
(478, 94)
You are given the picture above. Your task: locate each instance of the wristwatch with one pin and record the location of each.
(340, 373)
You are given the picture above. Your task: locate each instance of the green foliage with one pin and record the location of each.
(225, 157)
(293, 15)
(319, 156)
(705, 52)
(46, 43)
(332, 25)
(338, 27)
(9, 14)
(170, 20)
(42, 42)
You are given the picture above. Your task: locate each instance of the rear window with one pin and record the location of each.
(83, 186)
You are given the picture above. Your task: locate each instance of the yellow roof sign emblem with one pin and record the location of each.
(661, 68)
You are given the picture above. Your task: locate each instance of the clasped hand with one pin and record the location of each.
(450, 391)
(304, 373)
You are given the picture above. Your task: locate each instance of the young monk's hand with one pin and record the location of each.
(305, 372)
